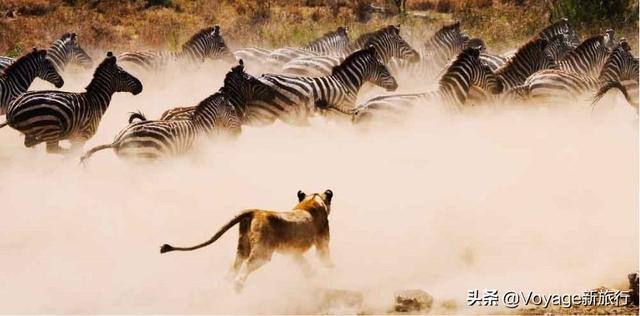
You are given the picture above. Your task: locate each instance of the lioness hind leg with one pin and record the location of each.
(244, 249)
(258, 257)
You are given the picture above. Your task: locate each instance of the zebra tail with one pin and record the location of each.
(244, 215)
(137, 115)
(93, 150)
(608, 86)
(4, 124)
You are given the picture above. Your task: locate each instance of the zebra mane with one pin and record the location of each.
(366, 38)
(559, 27)
(469, 52)
(202, 34)
(24, 59)
(108, 62)
(589, 43)
(354, 56)
(523, 52)
(339, 32)
(68, 37)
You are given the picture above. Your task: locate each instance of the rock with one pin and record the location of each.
(412, 301)
(340, 301)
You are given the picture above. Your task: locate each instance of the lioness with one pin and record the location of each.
(263, 232)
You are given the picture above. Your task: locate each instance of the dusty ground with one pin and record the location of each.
(512, 198)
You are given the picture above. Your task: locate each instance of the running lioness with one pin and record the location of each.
(263, 232)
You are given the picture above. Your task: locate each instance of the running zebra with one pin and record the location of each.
(530, 58)
(330, 44)
(551, 33)
(214, 116)
(17, 78)
(297, 98)
(62, 52)
(52, 116)
(387, 42)
(444, 45)
(465, 71)
(577, 75)
(207, 43)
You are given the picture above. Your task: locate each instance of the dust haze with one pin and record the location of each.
(504, 197)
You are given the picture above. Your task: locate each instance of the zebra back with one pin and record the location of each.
(621, 65)
(589, 57)
(17, 78)
(67, 50)
(331, 43)
(529, 58)
(207, 43)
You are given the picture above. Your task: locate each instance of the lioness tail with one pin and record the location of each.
(221, 231)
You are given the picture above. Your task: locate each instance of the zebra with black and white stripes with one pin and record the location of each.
(62, 52)
(387, 42)
(466, 71)
(51, 116)
(444, 45)
(329, 44)
(620, 72)
(17, 78)
(530, 58)
(206, 44)
(551, 33)
(214, 116)
(297, 98)
(577, 73)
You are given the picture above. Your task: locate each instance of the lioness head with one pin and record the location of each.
(315, 200)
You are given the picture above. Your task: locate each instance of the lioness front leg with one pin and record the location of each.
(322, 250)
(304, 265)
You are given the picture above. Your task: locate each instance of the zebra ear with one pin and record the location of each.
(301, 195)
(35, 50)
(241, 62)
(216, 30)
(74, 36)
(456, 25)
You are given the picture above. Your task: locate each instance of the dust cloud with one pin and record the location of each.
(511, 198)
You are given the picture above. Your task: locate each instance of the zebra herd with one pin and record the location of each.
(323, 78)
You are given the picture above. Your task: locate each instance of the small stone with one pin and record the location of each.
(411, 301)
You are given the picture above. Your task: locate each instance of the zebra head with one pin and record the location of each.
(446, 43)
(560, 27)
(117, 78)
(241, 87)
(477, 43)
(621, 65)
(208, 43)
(45, 68)
(331, 43)
(559, 46)
(377, 73)
(388, 43)
(607, 39)
(70, 50)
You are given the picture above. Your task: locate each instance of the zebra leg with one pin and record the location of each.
(30, 141)
(53, 147)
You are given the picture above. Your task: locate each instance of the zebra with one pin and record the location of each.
(436, 53)
(17, 78)
(296, 98)
(214, 116)
(560, 28)
(52, 116)
(330, 44)
(387, 42)
(465, 71)
(530, 58)
(62, 52)
(207, 43)
(577, 74)
(259, 90)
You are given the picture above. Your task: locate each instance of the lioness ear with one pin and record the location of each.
(301, 195)
(328, 194)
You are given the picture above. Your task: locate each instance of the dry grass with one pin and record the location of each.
(122, 25)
